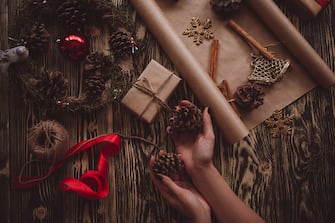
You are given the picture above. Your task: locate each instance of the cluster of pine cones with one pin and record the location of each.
(186, 117)
(96, 72)
(120, 44)
(48, 85)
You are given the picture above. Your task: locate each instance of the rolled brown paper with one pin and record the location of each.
(285, 31)
(198, 79)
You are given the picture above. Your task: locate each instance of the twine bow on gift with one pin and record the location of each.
(144, 85)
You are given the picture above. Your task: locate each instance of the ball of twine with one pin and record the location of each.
(48, 140)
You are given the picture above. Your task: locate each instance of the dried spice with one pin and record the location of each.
(249, 96)
(186, 116)
(199, 30)
(280, 124)
(167, 164)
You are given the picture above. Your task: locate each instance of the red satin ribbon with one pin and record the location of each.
(92, 184)
(323, 3)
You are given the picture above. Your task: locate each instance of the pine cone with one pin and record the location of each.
(249, 96)
(37, 40)
(51, 85)
(75, 13)
(186, 117)
(98, 64)
(226, 6)
(167, 164)
(120, 44)
(94, 87)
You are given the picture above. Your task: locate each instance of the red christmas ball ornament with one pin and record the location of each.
(74, 47)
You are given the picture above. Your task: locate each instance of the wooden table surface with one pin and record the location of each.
(285, 179)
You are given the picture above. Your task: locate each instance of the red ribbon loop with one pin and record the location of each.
(92, 184)
(322, 3)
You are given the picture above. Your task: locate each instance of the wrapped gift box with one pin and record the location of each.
(151, 91)
(309, 8)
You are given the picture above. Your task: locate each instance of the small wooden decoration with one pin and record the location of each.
(199, 30)
(280, 124)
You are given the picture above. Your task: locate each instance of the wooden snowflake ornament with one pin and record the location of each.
(199, 30)
(280, 124)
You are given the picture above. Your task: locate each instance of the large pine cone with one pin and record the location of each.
(186, 117)
(37, 40)
(249, 96)
(94, 87)
(75, 13)
(50, 85)
(120, 44)
(98, 64)
(167, 164)
(226, 6)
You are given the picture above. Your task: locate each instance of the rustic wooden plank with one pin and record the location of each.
(4, 121)
(287, 179)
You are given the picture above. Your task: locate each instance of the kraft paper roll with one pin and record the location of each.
(198, 79)
(285, 31)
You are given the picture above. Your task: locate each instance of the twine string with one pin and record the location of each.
(145, 86)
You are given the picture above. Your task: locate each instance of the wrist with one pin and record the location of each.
(199, 172)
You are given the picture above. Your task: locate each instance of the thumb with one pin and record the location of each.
(171, 186)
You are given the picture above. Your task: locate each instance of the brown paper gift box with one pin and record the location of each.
(150, 91)
(306, 9)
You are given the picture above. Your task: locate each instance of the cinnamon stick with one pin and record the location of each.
(250, 39)
(224, 88)
(213, 59)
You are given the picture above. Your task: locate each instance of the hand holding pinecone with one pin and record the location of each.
(167, 164)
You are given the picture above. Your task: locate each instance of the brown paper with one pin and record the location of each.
(150, 92)
(233, 57)
(281, 26)
(196, 76)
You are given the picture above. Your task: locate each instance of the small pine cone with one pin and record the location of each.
(94, 87)
(226, 6)
(167, 164)
(37, 40)
(51, 85)
(120, 44)
(186, 117)
(249, 96)
(97, 64)
(75, 13)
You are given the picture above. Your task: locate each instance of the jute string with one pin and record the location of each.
(48, 142)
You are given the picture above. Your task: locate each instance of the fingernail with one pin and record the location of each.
(158, 177)
(209, 110)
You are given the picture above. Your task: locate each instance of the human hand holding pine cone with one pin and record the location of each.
(196, 148)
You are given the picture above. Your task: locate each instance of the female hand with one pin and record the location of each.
(196, 150)
(182, 195)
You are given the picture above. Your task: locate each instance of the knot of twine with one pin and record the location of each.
(48, 140)
(144, 85)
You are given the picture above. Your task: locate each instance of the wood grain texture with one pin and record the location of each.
(285, 179)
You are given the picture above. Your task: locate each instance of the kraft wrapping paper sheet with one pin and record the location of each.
(167, 20)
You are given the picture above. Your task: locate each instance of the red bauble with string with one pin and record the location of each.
(74, 47)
